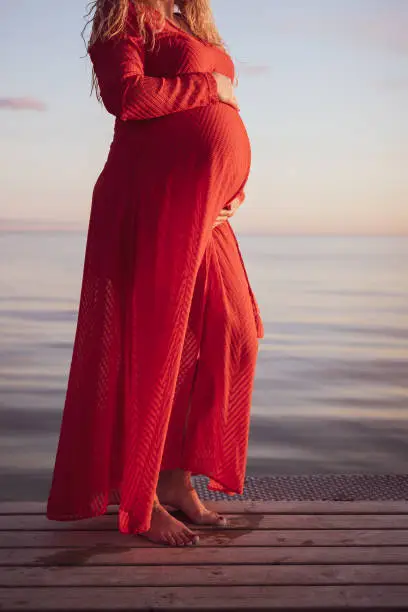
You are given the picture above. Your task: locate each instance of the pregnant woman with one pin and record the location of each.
(166, 343)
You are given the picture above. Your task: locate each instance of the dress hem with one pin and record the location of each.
(126, 517)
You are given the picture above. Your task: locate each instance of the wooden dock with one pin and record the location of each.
(275, 556)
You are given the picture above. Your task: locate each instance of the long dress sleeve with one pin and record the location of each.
(129, 94)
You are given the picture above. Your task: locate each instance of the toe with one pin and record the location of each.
(217, 519)
(170, 539)
(180, 539)
(188, 537)
(212, 518)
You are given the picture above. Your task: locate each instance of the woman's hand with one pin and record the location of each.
(225, 89)
(227, 213)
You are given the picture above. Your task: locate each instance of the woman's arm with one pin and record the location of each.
(129, 94)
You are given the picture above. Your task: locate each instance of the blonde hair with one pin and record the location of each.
(109, 19)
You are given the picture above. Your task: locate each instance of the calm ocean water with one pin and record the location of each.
(331, 391)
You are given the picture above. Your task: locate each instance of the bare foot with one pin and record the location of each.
(175, 489)
(165, 529)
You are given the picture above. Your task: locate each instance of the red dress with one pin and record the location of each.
(166, 343)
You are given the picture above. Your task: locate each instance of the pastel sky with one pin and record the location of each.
(323, 90)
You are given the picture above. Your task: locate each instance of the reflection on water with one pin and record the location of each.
(331, 392)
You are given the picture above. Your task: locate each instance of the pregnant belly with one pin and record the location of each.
(217, 136)
(210, 142)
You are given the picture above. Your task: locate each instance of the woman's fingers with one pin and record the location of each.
(223, 215)
(235, 204)
(225, 89)
(226, 213)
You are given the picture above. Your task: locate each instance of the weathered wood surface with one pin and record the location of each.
(270, 555)
(203, 575)
(253, 598)
(259, 522)
(255, 507)
(276, 555)
(213, 538)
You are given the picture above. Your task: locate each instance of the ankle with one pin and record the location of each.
(157, 507)
(177, 477)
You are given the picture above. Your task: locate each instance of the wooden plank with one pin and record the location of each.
(202, 575)
(238, 521)
(36, 522)
(214, 538)
(255, 507)
(104, 555)
(344, 597)
(316, 521)
(309, 507)
(28, 507)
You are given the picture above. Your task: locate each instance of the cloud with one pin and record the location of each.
(252, 69)
(393, 84)
(22, 104)
(384, 28)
